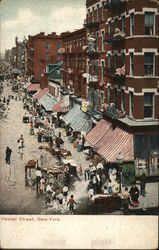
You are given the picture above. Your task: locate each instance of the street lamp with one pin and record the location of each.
(119, 160)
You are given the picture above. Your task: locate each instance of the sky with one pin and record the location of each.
(30, 17)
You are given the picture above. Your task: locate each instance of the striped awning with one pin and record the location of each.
(33, 87)
(59, 107)
(80, 122)
(69, 116)
(97, 133)
(41, 93)
(62, 106)
(47, 101)
(117, 141)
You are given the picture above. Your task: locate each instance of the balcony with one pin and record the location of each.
(117, 37)
(116, 75)
(92, 24)
(92, 53)
(91, 47)
(93, 79)
(114, 4)
(112, 112)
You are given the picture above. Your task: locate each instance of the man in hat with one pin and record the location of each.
(8, 155)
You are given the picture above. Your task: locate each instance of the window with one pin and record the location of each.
(47, 45)
(88, 67)
(131, 106)
(47, 55)
(93, 14)
(88, 15)
(123, 24)
(149, 64)
(115, 97)
(131, 64)
(102, 11)
(122, 100)
(116, 23)
(102, 71)
(83, 41)
(58, 45)
(97, 42)
(102, 40)
(102, 98)
(109, 27)
(115, 61)
(83, 65)
(109, 60)
(149, 23)
(108, 95)
(97, 68)
(97, 12)
(148, 105)
(123, 58)
(131, 24)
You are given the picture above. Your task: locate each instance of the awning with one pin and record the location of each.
(59, 108)
(36, 93)
(62, 105)
(80, 122)
(97, 133)
(117, 141)
(33, 87)
(69, 116)
(47, 101)
(41, 93)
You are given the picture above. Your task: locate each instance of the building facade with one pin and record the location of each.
(42, 50)
(120, 70)
(126, 67)
(21, 55)
(13, 57)
(74, 59)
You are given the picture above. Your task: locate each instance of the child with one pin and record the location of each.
(110, 186)
(105, 190)
(42, 186)
(71, 202)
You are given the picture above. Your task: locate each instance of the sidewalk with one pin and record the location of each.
(151, 198)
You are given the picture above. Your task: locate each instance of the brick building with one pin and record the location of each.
(42, 50)
(125, 62)
(21, 55)
(74, 59)
(120, 68)
(13, 57)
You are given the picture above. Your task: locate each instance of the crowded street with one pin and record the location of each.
(23, 199)
(79, 122)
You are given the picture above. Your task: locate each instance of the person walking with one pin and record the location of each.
(8, 101)
(8, 155)
(126, 200)
(143, 185)
(39, 133)
(71, 204)
(80, 170)
(31, 128)
(21, 139)
(87, 173)
(65, 192)
(134, 194)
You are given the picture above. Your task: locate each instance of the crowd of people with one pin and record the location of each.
(100, 181)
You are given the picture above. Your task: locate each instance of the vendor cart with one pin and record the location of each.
(106, 202)
(31, 164)
(25, 119)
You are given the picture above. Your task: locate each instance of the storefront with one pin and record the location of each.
(146, 153)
